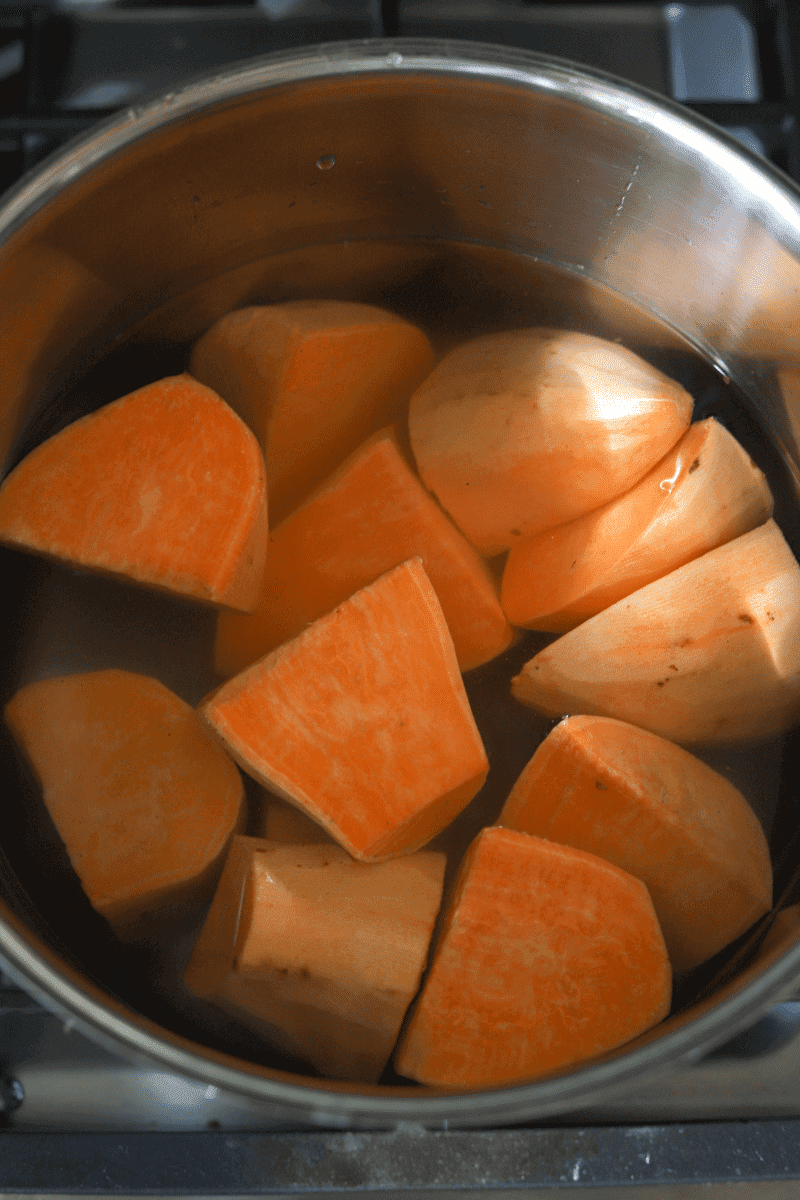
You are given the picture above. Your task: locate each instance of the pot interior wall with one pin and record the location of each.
(466, 204)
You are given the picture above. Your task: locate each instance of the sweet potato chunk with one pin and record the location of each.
(708, 654)
(518, 432)
(312, 379)
(549, 956)
(659, 813)
(319, 954)
(372, 514)
(143, 796)
(164, 487)
(362, 721)
(283, 822)
(706, 492)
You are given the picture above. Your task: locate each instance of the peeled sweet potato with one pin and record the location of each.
(548, 956)
(522, 431)
(659, 813)
(370, 515)
(312, 379)
(704, 493)
(319, 954)
(143, 796)
(362, 720)
(708, 654)
(164, 487)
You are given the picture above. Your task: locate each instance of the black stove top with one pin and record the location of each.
(78, 1120)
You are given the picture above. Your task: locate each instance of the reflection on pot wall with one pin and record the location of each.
(48, 302)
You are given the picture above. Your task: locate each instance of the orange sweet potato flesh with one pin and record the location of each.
(549, 956)
(659, 813)
(361, 721)
(312, 379)
(708, 654)
(317, 953)
(372, 514)
(706, 491)
(521, 431)
(143, 796)
(164, 487)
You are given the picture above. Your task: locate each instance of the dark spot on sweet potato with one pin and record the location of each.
(746, 618)
(694, 466)
(601, 787)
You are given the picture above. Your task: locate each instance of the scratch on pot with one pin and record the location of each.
(624, 195)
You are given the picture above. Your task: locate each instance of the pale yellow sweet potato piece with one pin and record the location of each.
(362, 720)
(317, 953)
(141, 793)
(659, 813)
(707, 491)
(312, 379)
(708, 654)
(549, 956)
(522, 431)
(164, 487)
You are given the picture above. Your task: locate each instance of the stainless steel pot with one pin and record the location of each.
(476, 186)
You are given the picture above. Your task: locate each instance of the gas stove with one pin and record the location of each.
(81, 1121)
(77, 1119)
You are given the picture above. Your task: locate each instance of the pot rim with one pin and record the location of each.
(323, 1102)
(587, 86)
(61, 990)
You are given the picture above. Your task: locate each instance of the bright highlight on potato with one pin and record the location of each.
(518, 432)
(706, 492)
